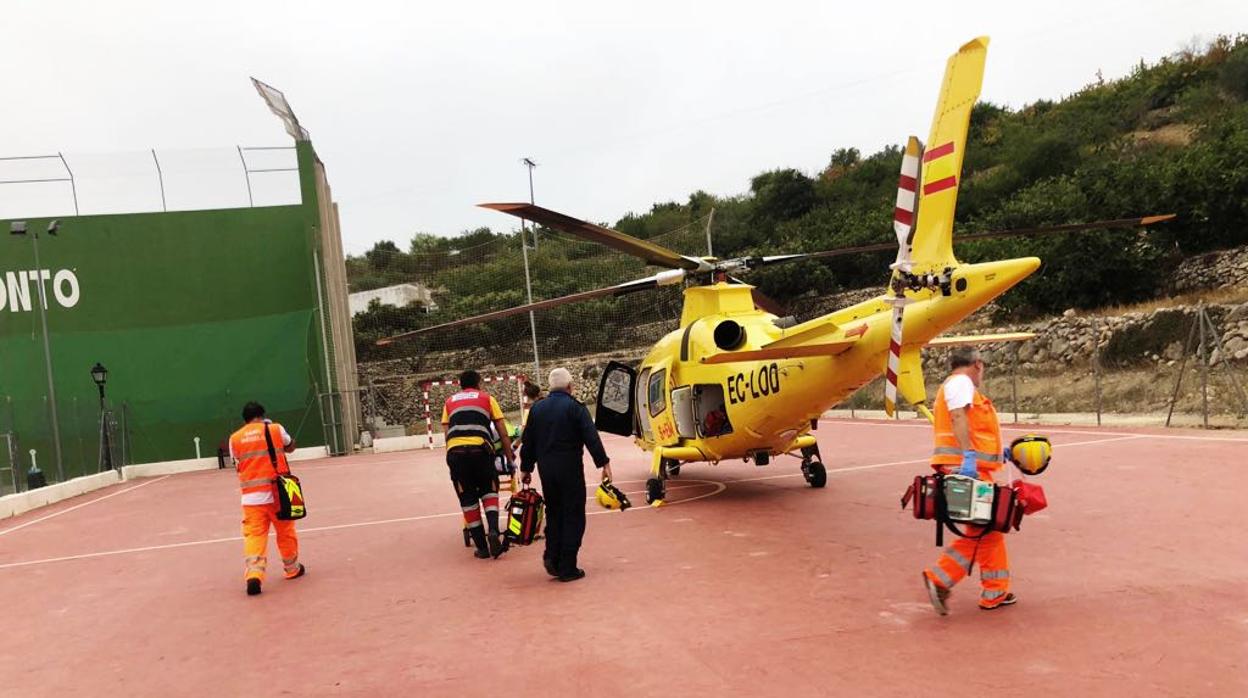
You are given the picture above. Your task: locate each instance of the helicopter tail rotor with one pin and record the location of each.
(904, 214)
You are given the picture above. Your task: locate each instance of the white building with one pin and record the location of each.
(399, 296)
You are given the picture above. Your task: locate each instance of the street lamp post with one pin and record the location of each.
(19, 228)
(99, 374)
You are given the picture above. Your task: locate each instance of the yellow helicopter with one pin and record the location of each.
(737, 381)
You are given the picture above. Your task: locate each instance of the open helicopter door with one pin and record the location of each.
(616, 411)
(656, 410)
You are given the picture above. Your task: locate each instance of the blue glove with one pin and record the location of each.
(969, 466)
(1007, 455)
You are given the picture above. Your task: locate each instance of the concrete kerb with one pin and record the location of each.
(407, 443)
(22, 502)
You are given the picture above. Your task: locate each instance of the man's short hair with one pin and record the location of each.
(962, 357)
(531, 390)
(252, 410)
(560, 379)
(470, 379)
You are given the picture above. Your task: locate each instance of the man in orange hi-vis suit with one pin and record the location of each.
(968, 442)
(257, 479)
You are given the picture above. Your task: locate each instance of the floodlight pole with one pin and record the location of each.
(47, 359)
(528, 284)
(528, 162)
(528, 288)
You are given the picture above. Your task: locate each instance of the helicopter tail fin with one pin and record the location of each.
(910, 380)
(932, 247)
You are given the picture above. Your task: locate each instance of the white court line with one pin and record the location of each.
(79, 506)
(1037, 427)
(873, 466)
(187, 544)
(719, 487)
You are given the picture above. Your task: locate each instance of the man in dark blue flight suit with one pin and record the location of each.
(558, 429)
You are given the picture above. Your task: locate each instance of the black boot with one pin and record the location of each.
(478, 539)
(492, 538)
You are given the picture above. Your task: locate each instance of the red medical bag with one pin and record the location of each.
(925, 491)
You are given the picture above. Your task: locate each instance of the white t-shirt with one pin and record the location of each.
(959, 391)
(265, 497)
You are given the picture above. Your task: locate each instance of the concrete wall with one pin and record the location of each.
(14, 504)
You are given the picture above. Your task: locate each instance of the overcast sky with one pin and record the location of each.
(420, 111)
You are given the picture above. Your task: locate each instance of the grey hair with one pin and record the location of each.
(962, 357)
(560, 379)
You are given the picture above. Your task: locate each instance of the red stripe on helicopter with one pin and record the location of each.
(938, 152)
(939, 185)
(857, 331)
(907, 182)
(903, 216)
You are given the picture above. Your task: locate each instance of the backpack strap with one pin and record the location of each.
(268, 441)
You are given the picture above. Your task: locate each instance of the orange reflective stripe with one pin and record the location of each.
(250, 484)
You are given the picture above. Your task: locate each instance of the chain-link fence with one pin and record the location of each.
(63, 184)
(95, 437)
(491, 275)
(1186, 365)
(1126, 363)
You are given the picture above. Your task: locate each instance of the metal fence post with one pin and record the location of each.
(160, 177)
(1014, 381)
(73, 186)
(1225, 360)
(1187, 350)
(1096, 365)
(125, 433)
(1203, 351)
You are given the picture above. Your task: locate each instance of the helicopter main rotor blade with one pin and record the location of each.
(651, 253)
(1138, 222)
(665, 278)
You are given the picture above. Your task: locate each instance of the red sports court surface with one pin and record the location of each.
(1133, 582)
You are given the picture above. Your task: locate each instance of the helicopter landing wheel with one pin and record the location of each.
(815, 474)
(656, 490)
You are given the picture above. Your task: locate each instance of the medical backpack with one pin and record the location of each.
(524, 516)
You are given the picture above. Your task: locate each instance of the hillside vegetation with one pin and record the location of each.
(1168, 138)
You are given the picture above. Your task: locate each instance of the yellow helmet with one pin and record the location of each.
(610, 497)
(1031, 453)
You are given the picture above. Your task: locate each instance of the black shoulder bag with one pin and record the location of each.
(289, 492)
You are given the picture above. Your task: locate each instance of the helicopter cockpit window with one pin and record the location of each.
(656, 401)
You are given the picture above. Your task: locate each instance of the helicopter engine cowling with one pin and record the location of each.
(729, 335)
